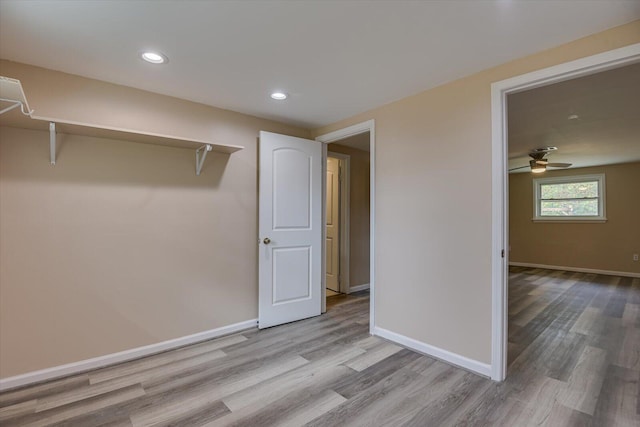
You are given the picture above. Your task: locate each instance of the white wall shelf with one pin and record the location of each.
(12, 96)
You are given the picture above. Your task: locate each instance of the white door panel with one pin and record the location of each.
(292, 170)
(291, 274)
(290, 227)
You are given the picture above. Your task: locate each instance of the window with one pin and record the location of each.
(569, 198)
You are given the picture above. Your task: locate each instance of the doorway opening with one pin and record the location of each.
(347, 228)
(583, 130)
(349, 212)
(500, 179)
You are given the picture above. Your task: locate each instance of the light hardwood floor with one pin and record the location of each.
(574, 352)
(331, 293)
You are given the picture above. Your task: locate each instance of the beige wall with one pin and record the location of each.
(183, 258)
(120, 245)
(608, 246)
(433, 202)
(359, 215)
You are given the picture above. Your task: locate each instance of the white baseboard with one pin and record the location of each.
(576, 269)
(123, 356)
(480, 368)
(358, 288)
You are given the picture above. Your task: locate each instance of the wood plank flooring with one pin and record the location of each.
(331, 293)
(574, 360)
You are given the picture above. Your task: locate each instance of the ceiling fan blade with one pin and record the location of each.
(559, 165)
(521, 167)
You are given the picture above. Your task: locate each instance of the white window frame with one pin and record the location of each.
(538, 182)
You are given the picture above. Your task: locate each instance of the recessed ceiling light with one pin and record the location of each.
(154, 57)
(573, 117)
(279, 96)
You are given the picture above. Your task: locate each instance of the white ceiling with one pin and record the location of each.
(335, 58)
(607, 129)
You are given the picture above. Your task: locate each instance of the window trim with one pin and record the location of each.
(599, 177)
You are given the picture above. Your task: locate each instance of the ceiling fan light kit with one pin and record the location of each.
(537, 167)
(539, 164)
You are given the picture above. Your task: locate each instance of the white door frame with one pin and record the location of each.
(345, 214)
(368, 126)
(499, 201)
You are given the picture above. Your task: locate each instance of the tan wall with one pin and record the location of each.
(432, 259)
(602, 246)
(120, 245)
(359, 215)
(433, 202)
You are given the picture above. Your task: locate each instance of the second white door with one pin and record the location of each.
(332, 243)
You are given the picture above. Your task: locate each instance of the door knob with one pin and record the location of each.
(266, 241)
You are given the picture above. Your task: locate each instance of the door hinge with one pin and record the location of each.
(503, 253)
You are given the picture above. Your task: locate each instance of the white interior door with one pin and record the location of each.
(332, 244)
(290, 229)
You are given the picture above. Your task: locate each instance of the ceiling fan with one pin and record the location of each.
(539, 164)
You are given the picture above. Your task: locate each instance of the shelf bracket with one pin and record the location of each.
(16, 104)
(52, 142)
(201, 154)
